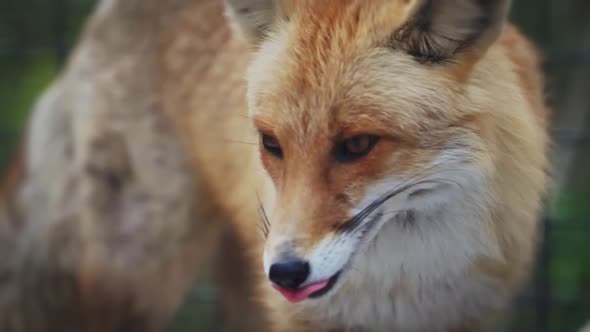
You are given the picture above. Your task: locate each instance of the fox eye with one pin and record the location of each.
(355, 147)
(271, 145)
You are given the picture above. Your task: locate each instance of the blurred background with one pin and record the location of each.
(36, 36)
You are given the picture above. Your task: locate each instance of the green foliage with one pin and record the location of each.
(21, 84)
(22, 81)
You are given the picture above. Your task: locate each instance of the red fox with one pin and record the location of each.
(403, 159)
(392, 152)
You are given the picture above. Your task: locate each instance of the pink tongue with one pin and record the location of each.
(300, 294)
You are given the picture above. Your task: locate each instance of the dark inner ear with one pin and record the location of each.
(440, 29)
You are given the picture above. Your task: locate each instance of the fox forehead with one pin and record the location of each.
(317, 73)
(333, 23)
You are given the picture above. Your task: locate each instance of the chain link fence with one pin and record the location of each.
(35, 37)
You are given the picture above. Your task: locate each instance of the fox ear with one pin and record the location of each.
(252, 18)
(439, 29)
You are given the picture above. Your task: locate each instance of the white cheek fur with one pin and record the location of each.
(429, 255)
(266, 262)
(331, 256)
(448, 230)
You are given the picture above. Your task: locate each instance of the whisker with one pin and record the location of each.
(263, 216)
(239, 142)
(262, 223)
(262, 230)
(265, 220)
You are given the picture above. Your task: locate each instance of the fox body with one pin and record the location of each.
(393, 152)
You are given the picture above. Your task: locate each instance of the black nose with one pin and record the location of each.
(289, 274)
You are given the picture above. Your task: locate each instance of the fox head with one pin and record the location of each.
(377, 129)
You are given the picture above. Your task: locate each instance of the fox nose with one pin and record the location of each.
(290, 274)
